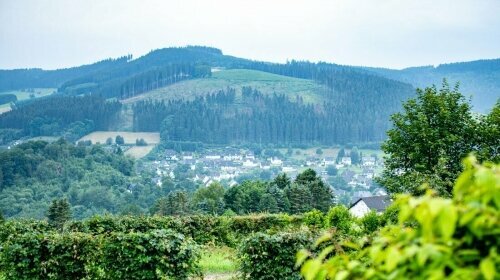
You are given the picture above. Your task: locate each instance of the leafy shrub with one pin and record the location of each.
(390, 215)
(370, 222)
(435, 238)
(339, 218)
(202, 228)
(48, 256)
(264, 256)
(17, 227)
(314, 218)
(151, 255)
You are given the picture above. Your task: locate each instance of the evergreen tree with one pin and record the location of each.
(59, 213)
(279, 195)
(282, 181)
(175, 204)
(300, 198)
(268, 204)
(340, 155)
(331, 170)
(321, 195)
(119, 140)
(355, 156)
(306, 177)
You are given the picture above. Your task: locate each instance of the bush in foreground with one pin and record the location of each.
(157, 254)
(435, 238)
(264, 256)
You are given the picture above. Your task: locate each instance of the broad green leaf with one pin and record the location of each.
(301, 257)
(447, 221)
(310, 269)
(487, 267)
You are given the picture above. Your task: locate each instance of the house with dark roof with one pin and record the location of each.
(365, 205)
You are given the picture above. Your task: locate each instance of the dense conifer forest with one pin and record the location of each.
(222, 118)
(60, 115)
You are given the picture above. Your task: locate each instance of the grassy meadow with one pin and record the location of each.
(24, 95)
(152, 138)
(267, 83)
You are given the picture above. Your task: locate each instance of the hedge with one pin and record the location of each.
(203, 228)
(152, 255)
(264, 256)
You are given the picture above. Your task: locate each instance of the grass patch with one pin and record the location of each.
(24, 95)
(139, 151)
(218, 260)
(267, 83)
(152, 138)
(37, 92)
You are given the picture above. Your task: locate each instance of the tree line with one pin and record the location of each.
(281, 195)
(58, 115)
(223, 118)
(127, 81)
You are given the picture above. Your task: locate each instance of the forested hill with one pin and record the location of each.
(480, 78)
(38, 78)
(112, 75)
(343, 104)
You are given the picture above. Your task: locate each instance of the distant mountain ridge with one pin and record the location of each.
(338, 104)
(480, 78)
(113, 77)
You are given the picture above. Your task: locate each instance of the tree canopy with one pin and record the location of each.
(430, 137)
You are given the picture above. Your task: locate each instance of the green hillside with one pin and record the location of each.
(267, 83)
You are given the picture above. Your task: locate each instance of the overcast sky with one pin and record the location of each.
(388, 33)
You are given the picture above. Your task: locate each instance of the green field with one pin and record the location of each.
(139, 151)
(152, 138)
(24, 95)
(267, 83)
(218, 262)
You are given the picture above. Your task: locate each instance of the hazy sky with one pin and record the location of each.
(389, 33)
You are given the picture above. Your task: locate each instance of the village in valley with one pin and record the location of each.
(349, 172)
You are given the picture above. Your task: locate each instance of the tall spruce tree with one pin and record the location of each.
(282, 181)
(59, 213)
(321, 193)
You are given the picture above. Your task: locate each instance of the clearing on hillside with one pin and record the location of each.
(152, 138)
(267, 83)
(24, 95)
(139, 151)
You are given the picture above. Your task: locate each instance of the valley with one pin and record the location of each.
(326, 140)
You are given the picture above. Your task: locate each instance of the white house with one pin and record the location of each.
(329, 161)
(365, 205)
(187, 156)
(250, 156)
(368, 161)
(276, 162)
(288, 169)
(346, 161)
(250, 164)
(213, 157)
